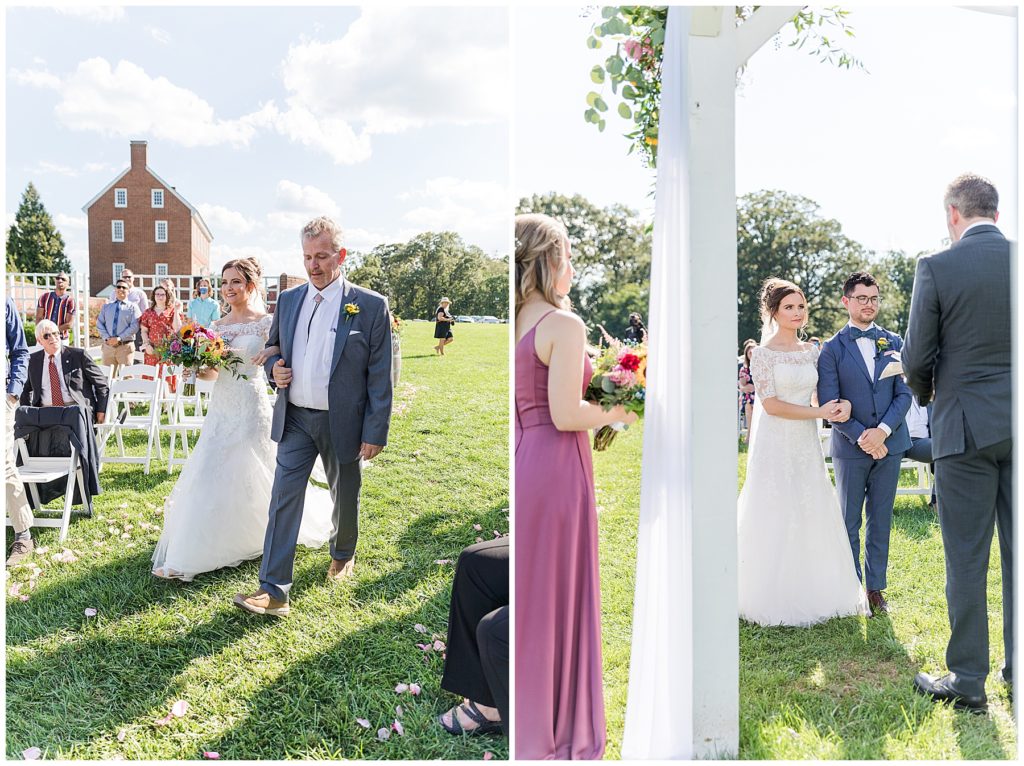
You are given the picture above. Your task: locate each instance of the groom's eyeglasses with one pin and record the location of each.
(864, 300)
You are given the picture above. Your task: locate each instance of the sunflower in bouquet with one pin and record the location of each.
(620, 377)
(195, 347)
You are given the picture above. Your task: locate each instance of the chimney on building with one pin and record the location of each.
(138, 155)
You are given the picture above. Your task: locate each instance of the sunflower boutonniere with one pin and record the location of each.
(351, 309)
(882, 345)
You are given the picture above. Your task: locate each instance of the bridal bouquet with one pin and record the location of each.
(195, 347)
(619, 378)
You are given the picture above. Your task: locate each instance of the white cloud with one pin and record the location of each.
(98, 13)
(44, 168)
(162, 36)
(274, 261)
(221, 219)
(36, 78)
(76, 222)
(307, 200)
(477, 210)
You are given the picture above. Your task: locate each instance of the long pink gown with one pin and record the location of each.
(559, 704)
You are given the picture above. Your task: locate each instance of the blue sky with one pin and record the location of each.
(394, 121)
(875, 150)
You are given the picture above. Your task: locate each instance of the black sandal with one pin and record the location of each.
(483, 724)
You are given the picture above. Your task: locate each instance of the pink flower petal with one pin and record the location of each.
(496, 533)
(478, 528)
(442, 561)
(210, 755)
(439, 646)
(414, 689)
(399, 711)
(401, 688)
(23, 597)
(424, 647)
(488, 755)
(383, 734)
(31, 754)
(419, 628)
(90, 612)
(15, 589)
(164, 721)
(479, 540)
(121, 735)
(397, 726)
(363, 722)
(179, 708)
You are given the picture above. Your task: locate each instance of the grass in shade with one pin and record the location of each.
(262, 688)
(840, 690)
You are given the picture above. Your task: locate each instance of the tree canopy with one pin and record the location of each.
(33, 242)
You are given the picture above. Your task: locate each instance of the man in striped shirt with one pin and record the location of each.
(57, 305)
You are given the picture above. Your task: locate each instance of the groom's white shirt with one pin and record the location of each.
(311, 358)
(983, 222)
(867, 350)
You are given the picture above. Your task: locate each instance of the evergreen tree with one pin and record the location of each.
(33, 242)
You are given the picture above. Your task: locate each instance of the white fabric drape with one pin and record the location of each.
(659, 709)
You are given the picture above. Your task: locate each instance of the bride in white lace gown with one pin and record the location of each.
(795, 563)
(216, 515)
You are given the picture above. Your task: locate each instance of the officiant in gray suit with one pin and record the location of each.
(333, 380)
(957, 353)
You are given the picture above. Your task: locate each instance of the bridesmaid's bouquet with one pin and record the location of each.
(620, 377)
(195, 347)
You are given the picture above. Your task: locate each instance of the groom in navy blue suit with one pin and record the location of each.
(867, 448)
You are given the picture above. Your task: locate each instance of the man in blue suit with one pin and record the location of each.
(867, 448)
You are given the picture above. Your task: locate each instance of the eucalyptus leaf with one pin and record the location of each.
(624, 111)
(591, 98)
(600, 126)
(608, 11)
(600, 105)
(597, 74)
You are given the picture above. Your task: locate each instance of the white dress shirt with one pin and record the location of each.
(917, 420)
(311, 358)
(867, 350)
(985, 222)
(64, 392)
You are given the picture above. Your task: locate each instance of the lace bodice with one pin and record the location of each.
(240, 407)
(791, 376)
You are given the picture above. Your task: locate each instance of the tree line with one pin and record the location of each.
(778, 234)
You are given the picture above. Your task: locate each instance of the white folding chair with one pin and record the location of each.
(180, 423)
(40, 470)
(924, 478)
(119, 418)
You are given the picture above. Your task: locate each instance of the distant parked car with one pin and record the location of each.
(489, 320)
(465, 319)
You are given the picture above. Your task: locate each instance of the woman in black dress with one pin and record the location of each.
(443, 326)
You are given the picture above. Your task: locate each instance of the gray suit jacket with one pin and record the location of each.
(359, 391)
(957, 349)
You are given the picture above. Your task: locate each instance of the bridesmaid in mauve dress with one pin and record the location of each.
(559, 710)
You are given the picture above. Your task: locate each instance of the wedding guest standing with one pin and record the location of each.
(443, 321)
(559, 703)
(117, 324)
(203, 308)
(635, 332)
(159, 321)
(58, 305)
(957, 354)
(137, 296)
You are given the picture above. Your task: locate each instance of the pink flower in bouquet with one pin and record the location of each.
(623, 378)
(636, 50)
(175, 346)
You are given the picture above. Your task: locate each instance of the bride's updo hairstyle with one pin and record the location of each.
(539, 258)
(251, 270)
(773, 292)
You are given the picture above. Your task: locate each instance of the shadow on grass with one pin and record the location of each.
(916, 520)
(976, 734)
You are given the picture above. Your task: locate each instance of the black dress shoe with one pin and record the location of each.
(942, 690)
(877, 602)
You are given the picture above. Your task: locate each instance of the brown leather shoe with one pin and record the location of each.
(877, 602)
(340, 569)
(19, 551)
(261, 602)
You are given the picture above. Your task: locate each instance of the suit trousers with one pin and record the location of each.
(868, 487)
(477, 663)
(975, 496)
(307, 433)
(18, 507)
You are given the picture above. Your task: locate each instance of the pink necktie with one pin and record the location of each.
(55, 394)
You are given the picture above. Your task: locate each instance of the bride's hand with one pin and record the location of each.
(829, 410)
(844, 408)
(265, 354)
(622, 415)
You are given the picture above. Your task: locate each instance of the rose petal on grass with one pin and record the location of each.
(478, 528)
(121, 735)
(397, 726)
(363, 722)
(15, 589)
(210, 755)
(414, 689)
(479, 540)
(44, 549)
(424, 647)
(401, 688)
(399, 711)
(163, 721)
(179, 708)
(383, 734)
(419, 628)
(439, 646)
(90, 612)
(32, 754)
(496, 533)
(23, 597)
(488, 755)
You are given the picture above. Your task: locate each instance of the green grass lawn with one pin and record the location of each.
(263, 688)
(840, 690)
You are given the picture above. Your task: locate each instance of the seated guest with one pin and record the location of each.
(117, 325)
(476, 667)
(61, 376)
(920, 438)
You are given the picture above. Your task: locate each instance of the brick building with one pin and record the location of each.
(138, 221)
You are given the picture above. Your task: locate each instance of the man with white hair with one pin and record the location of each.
(60, 376)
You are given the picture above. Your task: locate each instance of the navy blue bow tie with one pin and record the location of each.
(871, 333)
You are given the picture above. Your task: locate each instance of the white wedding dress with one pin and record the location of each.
(795, 563)
(216, 515)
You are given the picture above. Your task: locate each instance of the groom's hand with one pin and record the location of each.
(282, 374)
(871, 439)
(369, 451)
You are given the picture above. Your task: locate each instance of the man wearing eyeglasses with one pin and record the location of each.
(137, 296)
(60, 376)
(117, 325)
(58, 305)
(866, 449)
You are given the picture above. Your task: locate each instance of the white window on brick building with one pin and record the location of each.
(161, 231)
(118, 268)
(117, 231)
(161, 270)
(120, 198)
(157, 196)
